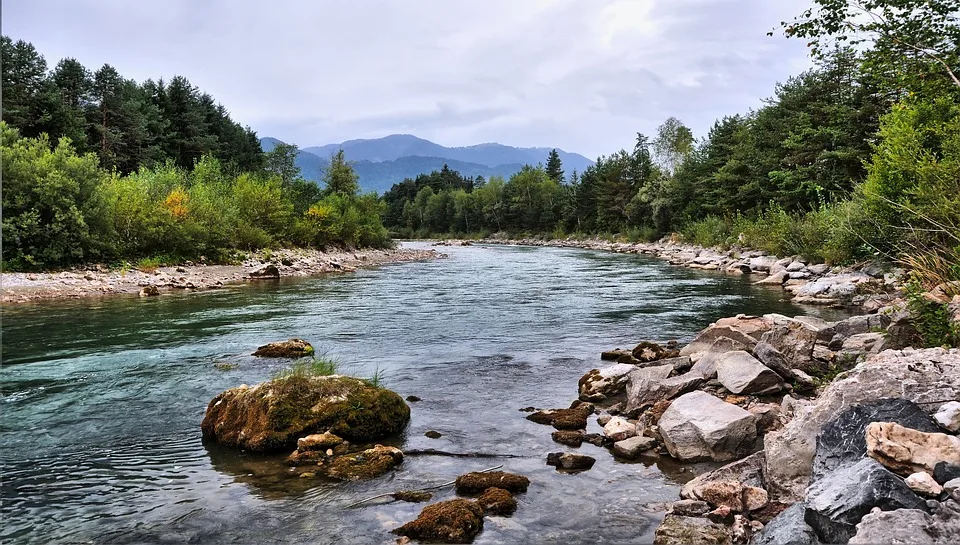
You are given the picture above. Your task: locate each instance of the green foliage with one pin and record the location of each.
(340, 177)
(554, 167)
(53, 214)
(930, 318)
(308, 367)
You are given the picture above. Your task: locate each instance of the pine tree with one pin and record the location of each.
(555, 167)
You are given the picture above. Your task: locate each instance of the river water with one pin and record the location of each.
(102, 399)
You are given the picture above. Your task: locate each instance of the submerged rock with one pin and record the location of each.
(698, 426)
(273, 415)
(571, 438)
(452, 521)
(412, 496)
(570, 461)
(472, 483)
(364, 465)
(574, 418)
(497, 501)
(293, 348)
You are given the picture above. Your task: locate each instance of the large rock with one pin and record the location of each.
(497, 501)
(787, 528)
(920, 376)
(748, 472)
(837, 502)
(795, 339)
(741, 373)
(906, 451)
(835, 334)
(843, 440)
(910, 526)
(645, 387)
(273, 415)
(861, 345)
(451, 521)
(599, 384)
(365, 465)
(293, 348)
(698, 426)
(746, 330)
(706, 365)
(679, 530)
(772, 358)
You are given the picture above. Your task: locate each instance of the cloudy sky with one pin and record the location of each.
(582, 75)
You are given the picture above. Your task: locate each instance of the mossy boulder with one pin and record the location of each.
(497, 501)
(365, 465)
(473, 483)
(273, 415)
(293, 348)
(452, 521)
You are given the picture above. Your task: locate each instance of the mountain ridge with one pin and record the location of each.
(382, 162)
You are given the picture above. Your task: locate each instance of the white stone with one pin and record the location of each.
(619, 429)
(949, 416)
(698, 426)
(922, 482)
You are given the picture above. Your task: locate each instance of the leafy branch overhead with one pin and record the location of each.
(899, 35)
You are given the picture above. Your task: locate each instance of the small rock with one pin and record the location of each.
(318, 441)
(432, 434)
(365, 465)
(922, 483)
(632, 447)
(570, 461)
(949, 416)
(564, 419)
(596, 439)
(571, 438)
(472, 483)
(951, 486)
(768, 416)
(149, 291)
(743, 528)
(618, 429)
(603, 419)
(943, 472)
(413, 398)
(412, 496)
(452, 521)
(293, 348)
(497, 501)
(267, 272)
(787, 528)
(689, 508)
(679, 530)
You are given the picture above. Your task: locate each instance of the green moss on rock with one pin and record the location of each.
(273, 415)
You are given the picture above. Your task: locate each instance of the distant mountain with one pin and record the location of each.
(396, 146)
(382, 162)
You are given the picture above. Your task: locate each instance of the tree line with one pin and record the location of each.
(855, 159)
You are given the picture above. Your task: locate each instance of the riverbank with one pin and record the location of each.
(869, 285)
(99, 280)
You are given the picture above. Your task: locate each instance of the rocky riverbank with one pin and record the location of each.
(100, 280)
(831, 432)
(808, 283)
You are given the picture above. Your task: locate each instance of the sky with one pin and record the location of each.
(581, 75)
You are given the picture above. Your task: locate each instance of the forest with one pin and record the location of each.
(855, 159)
(99, 168)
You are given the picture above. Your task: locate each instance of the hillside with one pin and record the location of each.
(383, 162)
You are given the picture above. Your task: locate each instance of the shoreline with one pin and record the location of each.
(99, 281)
(868, 286)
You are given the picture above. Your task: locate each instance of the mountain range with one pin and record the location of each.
(382, 162)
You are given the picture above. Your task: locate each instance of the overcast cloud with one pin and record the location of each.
(582, 75)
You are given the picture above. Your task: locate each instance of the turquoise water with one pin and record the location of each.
(102, 399)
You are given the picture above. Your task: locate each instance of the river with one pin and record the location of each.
(102, 399)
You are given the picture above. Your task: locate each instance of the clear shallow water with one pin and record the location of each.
(101, 400)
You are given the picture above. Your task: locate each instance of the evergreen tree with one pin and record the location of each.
(340, 177)
(554, 166)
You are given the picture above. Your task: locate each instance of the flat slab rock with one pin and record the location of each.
(905, 450)
(741, 373)
(679, 530)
